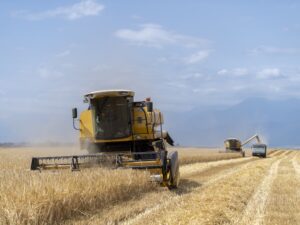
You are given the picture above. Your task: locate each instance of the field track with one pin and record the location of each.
(234, 191)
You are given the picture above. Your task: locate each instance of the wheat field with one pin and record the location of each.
(215, 188)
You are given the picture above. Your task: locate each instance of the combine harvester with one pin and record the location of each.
(120, 133)
(235, 145)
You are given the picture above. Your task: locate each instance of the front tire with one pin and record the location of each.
(243, 154)
(174, 175)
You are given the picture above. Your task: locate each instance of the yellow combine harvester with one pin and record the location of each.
(235, 145)
(119, 132)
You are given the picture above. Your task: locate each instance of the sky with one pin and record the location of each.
(184, 54)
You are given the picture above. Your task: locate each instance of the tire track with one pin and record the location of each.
(194, 170)
(162, 210)
(210, 180)
(255, 209)
(220, 202)
(283, 204)
(272, 152)
(296, 165)
(254, 213)
(194, 176)
(277, 153)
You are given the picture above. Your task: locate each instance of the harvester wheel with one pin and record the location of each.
(243, 153)
(174, 170)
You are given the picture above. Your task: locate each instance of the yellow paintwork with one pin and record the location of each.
(232, 143)
(86, 125)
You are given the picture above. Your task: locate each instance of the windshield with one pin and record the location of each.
(112, 117)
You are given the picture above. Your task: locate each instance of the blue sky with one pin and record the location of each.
(185, 55)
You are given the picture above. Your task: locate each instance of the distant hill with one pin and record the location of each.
(278, 122)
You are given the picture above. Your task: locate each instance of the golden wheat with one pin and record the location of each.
(216, 202)
(196, 155)
(283, 206)
(28, 197)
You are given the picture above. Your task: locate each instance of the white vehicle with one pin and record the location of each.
(259, 150)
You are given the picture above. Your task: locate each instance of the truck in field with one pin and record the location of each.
(259, 150)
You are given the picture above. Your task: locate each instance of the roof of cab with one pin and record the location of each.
(109, 93)
(232, 139)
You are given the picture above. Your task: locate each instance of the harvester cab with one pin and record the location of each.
(120, 132)
(233, 145)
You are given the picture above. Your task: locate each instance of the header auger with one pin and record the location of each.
(120, 132)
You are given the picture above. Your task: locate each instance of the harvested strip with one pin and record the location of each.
(271, 152)
(281, 153)
(274, 153)
(150, 202)
(191, 169)
(211, 203)
(296, 165)
(289, 152)
(283, 205)
(254, 211)
(215, 156)
(120, 211)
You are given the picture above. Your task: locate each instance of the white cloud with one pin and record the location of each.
(274, 50)
(239, 87)
(68, 65)
(64, 53)
(176, 84)
(208, 90)
(153, 35)
(269, 73)
(72, 12)
(197, 57)
(100, 68)
(2, 92)
(240, 72)
(46, 73)
(192, 76)
(136, 17)
(237, 72)
(222, 72)
(162, 59)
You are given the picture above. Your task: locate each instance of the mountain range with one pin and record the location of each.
(276, 121)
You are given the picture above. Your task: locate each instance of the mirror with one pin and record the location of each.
(74, 113)
(150, 106)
